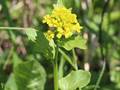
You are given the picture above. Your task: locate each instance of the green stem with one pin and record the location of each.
(61, 65)
(56, 70)
(100, 77)
(67, 58)
(13, 28)
(74, 58)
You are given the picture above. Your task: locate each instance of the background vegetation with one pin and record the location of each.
(100, 20)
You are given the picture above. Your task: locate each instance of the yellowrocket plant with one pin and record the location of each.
(64, 26)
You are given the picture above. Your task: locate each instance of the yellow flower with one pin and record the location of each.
(49, 35)
(64, 22)
(67, 33)
(77, 28)
(60, 32)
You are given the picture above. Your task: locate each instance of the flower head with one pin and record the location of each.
(64, 22)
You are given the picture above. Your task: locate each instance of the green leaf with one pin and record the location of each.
(74, 80)
(16, 60)
(77, 42)
(31, 33)
(42, 46)
(52, 45)
(11, 84)
(28, 75)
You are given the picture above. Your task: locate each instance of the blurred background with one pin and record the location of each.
(101, 27)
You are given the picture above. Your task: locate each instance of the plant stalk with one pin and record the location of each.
(13, 28)
(67, 58)
(56, 70)
(74, 59)
(100, 76)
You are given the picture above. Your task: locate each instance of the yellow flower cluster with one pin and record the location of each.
(64, 22)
